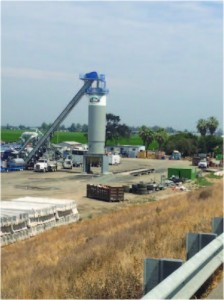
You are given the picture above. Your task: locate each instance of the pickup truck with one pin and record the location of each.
(45, 165)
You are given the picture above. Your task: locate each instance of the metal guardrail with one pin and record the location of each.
(187, 279)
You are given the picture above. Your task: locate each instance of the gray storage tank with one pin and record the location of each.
(97, 116)
(97, 123)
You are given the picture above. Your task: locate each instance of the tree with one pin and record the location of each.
(78, 127)
(123, 131)
(186, 143)
(155, 128)
(170, 130)
(72, 128)
(202, 126)
(62, 127)
(219, 132)
(22, 127)
(212, 125)
(147, 136)
(44, 126)
(210, 144)
(84, 128)
(161, 137)
(114, 130)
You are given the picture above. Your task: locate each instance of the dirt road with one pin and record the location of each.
(71, 184)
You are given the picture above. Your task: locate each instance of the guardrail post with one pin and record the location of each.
(196, 241)
(217, 225)
(156, 270)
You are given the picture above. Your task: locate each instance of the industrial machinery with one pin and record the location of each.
(96, 99)
(97, 126)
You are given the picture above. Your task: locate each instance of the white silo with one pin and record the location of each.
(97, 123)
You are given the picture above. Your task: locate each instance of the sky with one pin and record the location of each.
(163, 60)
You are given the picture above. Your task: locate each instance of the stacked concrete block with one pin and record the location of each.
(25, 217)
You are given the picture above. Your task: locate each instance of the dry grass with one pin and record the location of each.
(103, 257)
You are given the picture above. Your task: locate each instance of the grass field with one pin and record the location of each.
(14, 135)
(102, 258)
(9, 136)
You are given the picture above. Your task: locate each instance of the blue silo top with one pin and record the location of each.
(100, 88)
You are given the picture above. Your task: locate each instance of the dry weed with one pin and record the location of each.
(103, 257)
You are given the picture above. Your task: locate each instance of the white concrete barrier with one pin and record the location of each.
(25, 217)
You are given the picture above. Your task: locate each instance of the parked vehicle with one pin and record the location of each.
(197, 158)
(45, 165)
(67, 164)
(203, 164)
(77, 157)
(114, 159)
(176, 155)
(15, 164)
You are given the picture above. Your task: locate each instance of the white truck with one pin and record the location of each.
(114, 159)
(77, 157)
(67, 163)
(203, 164)
(45, 165)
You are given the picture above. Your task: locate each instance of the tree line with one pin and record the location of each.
(209, 139)
(185, 142)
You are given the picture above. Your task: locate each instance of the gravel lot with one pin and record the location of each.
(71, 184)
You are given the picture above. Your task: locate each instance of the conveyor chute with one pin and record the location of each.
(41, 146)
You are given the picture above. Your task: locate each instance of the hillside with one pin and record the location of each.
(103, 257)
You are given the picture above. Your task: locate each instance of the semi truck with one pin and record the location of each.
(45, 165)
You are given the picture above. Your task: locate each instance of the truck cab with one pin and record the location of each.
(45, 165)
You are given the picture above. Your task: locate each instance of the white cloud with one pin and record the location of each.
(26, 73)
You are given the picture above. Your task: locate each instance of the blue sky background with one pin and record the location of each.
(163, 60)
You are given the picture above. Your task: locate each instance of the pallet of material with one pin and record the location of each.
(105, 192)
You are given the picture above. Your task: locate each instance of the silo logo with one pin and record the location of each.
(94, 99)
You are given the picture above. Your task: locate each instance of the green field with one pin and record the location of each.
(58, 137)
(69, 136)
(9, 136)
